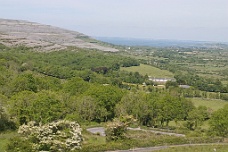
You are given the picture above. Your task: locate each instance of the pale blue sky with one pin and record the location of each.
(156, 19)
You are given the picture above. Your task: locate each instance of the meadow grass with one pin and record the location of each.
(149, 70)
(205, 148)
(213, 104)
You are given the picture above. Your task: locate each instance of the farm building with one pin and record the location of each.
(161, 80)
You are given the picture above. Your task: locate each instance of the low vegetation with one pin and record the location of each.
(195, 148)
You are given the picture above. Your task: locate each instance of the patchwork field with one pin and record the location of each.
(214, 104)
(149, 70)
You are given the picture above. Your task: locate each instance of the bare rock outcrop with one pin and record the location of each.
(44, 37)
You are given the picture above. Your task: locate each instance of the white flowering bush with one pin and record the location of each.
(56, 136)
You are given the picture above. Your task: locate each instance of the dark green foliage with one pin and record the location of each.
(87, 108)
(128, 62)
(5, 123)
(107, 97)
(219, 122)
(47, 108)
(68, 64)
(171, 84)
(154, 109)
(201, 83)
(196, 117)
(224, 96)
(41, 107)
(24, 82)
(76, 86)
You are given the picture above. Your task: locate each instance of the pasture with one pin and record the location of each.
(144, 69)
(213, 104)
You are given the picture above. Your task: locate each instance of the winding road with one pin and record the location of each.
(101, 131)
(97, 130)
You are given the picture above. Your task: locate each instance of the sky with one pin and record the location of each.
(199, 20)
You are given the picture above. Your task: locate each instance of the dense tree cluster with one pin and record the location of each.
(154, 109)
(219, 122)
(204, 84)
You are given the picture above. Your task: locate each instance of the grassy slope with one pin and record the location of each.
(208, 148)
(214, 104)
(149, 70)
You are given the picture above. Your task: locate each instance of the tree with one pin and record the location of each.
(40, 107)
(87, 108)
(171, 83)
(47, 107)
(149, 109)
(75, 86)
(106, 97)
(171, 107)
(196, 117)
(5, 123)
(129, 105)
(24, 82)
(20, 106)
(219, 122)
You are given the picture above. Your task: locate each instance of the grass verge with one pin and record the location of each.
(203, 148)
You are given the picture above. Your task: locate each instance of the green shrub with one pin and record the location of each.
(20, 145)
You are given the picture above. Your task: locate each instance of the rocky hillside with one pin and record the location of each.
(44, 37)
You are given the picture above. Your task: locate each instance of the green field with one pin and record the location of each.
(205, 148)
(214, 104)
(149, 70)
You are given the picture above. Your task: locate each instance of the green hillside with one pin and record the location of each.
(149, 70)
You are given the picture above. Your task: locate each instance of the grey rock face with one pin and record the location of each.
(44, 37)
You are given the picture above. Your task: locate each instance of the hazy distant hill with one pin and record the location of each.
(162, 43)
(44, 37)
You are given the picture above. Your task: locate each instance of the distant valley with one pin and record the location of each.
(162, 42)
